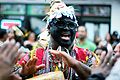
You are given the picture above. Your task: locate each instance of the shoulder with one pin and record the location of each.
(90, 42)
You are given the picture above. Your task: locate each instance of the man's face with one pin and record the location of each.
(63, 31)
(82, 33)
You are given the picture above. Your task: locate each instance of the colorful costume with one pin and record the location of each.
(59, 12)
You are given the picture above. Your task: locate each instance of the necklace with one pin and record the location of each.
(55, 63)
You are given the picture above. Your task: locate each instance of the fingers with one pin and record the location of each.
(29, 62)
(9, 52)
(64, 54)
(102, 57)
(32, 61)
(23, 65)
(14, 52)
(16, 57)
(67, 59)
(113, 60)
(54, 52)
(8, 48)
(107, 59)
(41, 66)
(58, 53)
(3, 48)
(61, 53)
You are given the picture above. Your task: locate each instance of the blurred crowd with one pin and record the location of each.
(27, 45)
(62, 46)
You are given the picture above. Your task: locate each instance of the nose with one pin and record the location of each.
(66, 28)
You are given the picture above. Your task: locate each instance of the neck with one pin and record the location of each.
(53, 44)
(81, 41)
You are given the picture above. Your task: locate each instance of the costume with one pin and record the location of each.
(80, 54)
(62, 25)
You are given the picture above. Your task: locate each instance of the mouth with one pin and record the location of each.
(65, 36)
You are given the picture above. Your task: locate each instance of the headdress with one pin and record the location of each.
(59, 9)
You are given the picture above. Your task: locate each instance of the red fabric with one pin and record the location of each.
(39, 54)
(24, 58)
(77, 35)
(80, 54)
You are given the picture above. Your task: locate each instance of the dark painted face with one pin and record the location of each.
(63, 31)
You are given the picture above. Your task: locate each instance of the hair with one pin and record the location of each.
(115, 33)
(29, 46)
(102, 48)
(83, 27)
(2, 33)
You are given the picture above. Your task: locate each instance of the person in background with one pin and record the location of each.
(106, 43)
(31, 39)
(15, 34)
(115, 39)
(108, 40)
(82, 40)
(11, 34)
(3, 36)
(99, 50)
(114, 74)
(97, 39)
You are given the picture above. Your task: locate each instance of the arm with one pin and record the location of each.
(30, 68)
(101, 71)
(81, 69)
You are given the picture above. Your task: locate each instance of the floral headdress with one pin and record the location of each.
(59, 9)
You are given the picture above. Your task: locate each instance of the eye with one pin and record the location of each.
(72, 25)
(60, 24)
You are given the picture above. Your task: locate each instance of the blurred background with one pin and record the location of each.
(99, 16)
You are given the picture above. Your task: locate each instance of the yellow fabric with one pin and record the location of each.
(97, 58)
(57, 75)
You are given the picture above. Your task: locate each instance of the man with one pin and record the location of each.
(115, 39)
(105, 69)
(82, 40)
(62, 27)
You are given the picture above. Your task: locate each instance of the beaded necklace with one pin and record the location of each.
(55, 63)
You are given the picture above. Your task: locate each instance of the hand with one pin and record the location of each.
(30, 67)
(107, 61)
(67, 59)
(14, 76)
(8, 55)
(81, 69)
(117, 49)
